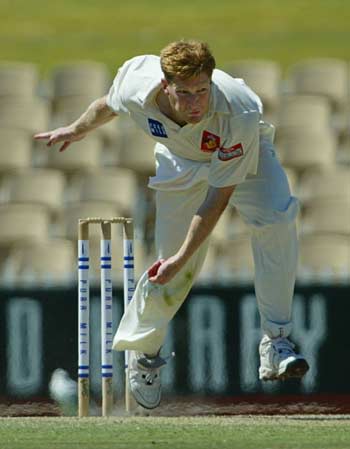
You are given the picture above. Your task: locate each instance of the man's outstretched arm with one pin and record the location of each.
(97, 114)
(203, 222)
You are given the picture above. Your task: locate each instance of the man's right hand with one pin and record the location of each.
(67, 135)
(97, 114)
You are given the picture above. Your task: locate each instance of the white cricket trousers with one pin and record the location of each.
(266, 205)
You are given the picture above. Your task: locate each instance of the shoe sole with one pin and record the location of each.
(140, 400)
(147, 407)
(270, 378)
(295, 370)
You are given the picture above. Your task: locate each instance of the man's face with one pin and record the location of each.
(189, 99)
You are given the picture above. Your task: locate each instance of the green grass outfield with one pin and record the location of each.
(318, 432)
(110, 31)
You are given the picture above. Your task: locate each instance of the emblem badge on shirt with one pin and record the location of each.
(226, 154)
(157, 129)
(210, 142)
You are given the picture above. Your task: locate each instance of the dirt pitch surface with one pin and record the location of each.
(256, 405)
(203, 406)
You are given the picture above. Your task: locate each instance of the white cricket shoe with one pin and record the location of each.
(144, 378)
(278, 361)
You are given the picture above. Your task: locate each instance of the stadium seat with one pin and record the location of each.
(15, 150)
(229, 261)
(23, 222)
(67, 109)
(343, 149)
(327, 77)
(36, 186)
(303, 111)
(263, 76)
(49, 262)
(18, 79)
(324, 257)
(71, 105)
(137, 151)
(209, 271)
(84, 155)
(229, 226)
(238, 257)
(327, 216)
(82, 78)
(30, 115)
(307, 148)
(221, 230)
(326, 185)
(112, 185)
(74, 211)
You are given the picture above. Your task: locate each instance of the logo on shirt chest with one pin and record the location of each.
(210, 142)
(157, 129)
(226, 154)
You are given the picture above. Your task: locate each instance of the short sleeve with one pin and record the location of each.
(238, 156)
(116, 94)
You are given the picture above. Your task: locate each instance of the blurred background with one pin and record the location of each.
(55, 59)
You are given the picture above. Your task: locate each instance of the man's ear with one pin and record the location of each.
(165, 85)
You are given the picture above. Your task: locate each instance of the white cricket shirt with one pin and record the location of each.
(222, 148)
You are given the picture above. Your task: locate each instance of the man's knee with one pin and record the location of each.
(262, 217)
